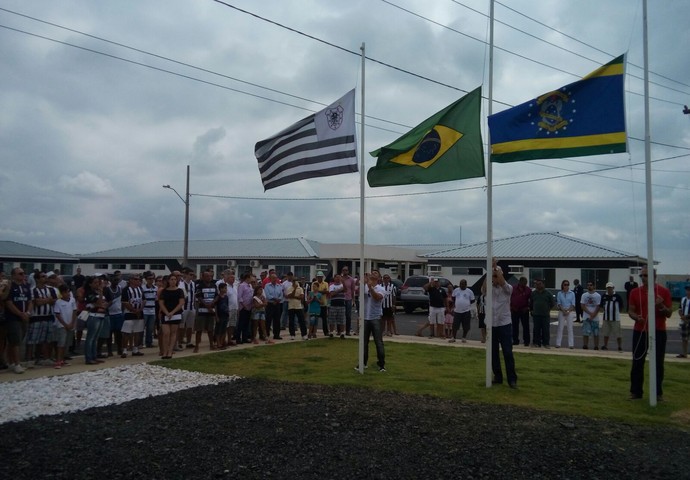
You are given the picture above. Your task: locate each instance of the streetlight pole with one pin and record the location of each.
(185, 200)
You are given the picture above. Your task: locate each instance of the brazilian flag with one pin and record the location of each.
(446, 146)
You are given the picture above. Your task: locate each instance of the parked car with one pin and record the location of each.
(413, 295)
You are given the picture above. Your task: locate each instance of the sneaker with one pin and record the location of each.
(585, 347)
(464, 340)
(604, 347)
(57, 366)
(382, 370)
(178, 348)
(342, 336)
(123, 354)
(365, 367)
(304, 337)
(596, 348)
(452, 340)
(137, 354)
(46, 363)
(16, 368)
(680, 355)
(330, 335)
(292, 337)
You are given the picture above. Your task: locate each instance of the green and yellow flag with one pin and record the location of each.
(446, 146)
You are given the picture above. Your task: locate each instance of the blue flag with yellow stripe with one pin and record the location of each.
(586, 117)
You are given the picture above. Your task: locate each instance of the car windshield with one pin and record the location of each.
(416, 281)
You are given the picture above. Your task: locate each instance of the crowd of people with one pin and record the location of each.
(103, 315)
(121, 317)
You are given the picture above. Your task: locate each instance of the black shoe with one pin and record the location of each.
(137, 354)
(512, 385)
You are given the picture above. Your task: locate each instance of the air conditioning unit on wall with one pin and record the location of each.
(434, 269)
(231, 263)
(516, 269)
(254, 263)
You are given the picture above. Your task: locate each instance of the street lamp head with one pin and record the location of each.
(166, 186)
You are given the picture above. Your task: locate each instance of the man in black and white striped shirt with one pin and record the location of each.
(388, 317)
(611, 304)
(41, 322)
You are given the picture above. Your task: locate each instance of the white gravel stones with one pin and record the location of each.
(97, 388)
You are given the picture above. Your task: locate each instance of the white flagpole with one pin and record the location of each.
(651, 308)
(360, 310)
(488, 307)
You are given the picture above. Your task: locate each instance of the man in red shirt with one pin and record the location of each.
(638, 312)
(519, 311)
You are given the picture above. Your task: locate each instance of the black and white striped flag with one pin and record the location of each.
(321, 145)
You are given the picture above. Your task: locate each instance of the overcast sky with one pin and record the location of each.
(88, 140)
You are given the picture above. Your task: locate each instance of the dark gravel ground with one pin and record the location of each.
(259, 429)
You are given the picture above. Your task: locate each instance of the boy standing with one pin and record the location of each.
(591, 303)
(65, 318)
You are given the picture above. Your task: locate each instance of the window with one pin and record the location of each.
(599, 277)
(282, 270)
(460, 271)
(47, 267)
(478, 271)
(67, 269)
(137, 266)
(302, 271)
(100, 266)
(546, 274)
(119, 266)
(155, 266)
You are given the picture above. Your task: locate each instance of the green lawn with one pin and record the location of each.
(596, 387)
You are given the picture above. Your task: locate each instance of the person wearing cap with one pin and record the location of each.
(321, 286)
(611, 304)
(591, 303)
(637, 310)
(684, 312)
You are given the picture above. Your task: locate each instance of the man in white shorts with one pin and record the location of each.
(437, 305)
(133, 325)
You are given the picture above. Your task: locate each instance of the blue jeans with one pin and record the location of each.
(93, 328)
(149, 326)
(374, 326)
(503, 337)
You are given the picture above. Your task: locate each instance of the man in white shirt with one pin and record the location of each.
(463, 298)
(501, 326)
